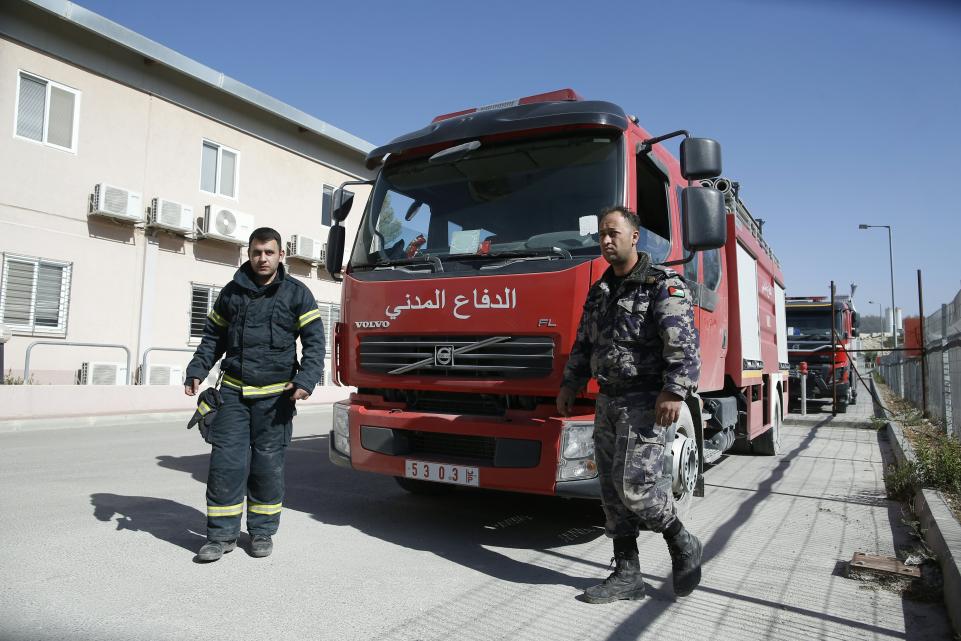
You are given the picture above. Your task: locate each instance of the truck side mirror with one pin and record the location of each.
(335, 250)
(343, 200)
(700, 158)
(855, 320)
(705, 218)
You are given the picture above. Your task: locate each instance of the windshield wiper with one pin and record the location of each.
(517, 256)
(433, 261)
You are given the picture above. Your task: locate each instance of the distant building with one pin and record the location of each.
(97, 118)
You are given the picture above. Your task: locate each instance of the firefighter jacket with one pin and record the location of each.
(640, 335)
(257, 328)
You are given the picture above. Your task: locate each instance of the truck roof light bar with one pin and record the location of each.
(551, 96)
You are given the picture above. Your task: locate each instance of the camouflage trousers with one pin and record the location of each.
(629, 450)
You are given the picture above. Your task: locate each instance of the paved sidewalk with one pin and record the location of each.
(113, 514)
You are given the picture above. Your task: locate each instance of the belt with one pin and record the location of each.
(620, 389)
(251, 390)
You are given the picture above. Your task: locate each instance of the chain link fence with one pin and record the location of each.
(942, 344)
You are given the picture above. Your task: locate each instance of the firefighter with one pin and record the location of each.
(256, 321)
(637, 338)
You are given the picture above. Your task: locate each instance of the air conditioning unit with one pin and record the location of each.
(227, 224)
(103, 374)
(306, 248)
(171, 215)
(117, 202)
(164, 375)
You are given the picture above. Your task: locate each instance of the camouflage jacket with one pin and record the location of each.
(641, 335)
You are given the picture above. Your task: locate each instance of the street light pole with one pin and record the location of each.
(894, 327)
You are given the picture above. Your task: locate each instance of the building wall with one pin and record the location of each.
(131, 285)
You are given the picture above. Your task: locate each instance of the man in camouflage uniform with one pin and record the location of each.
(637, 338)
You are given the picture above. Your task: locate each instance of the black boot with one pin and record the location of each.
(626, 582)
(213, 550)
(685, 549)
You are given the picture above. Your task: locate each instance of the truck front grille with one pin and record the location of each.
(458, 356)
(475, 449)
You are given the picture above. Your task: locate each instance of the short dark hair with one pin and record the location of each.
(632, 219)
(263, 234)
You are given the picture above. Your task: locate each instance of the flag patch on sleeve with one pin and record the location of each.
(676, 292)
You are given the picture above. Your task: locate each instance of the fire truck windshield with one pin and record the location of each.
(812, 324)
(530, 198)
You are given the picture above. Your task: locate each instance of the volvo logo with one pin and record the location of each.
(443, 355)
(372, 324)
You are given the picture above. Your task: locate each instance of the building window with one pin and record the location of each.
(327, 208)
(35, 294)
(202, 299)
(329, 314)
(219, 169)
(47, 112)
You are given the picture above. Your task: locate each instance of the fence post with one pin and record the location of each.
(945, 372)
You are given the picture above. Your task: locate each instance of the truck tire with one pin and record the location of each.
(843, 406)
(769, 443)
(685, 463)
(424, 488)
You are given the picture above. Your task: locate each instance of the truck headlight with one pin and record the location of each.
(577, 451)
(342, 428)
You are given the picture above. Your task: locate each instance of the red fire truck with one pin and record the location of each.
(809, 328)
(467, 278)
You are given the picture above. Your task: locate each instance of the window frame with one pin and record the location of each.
(50, 84)
(213, 291)
(219, 169)
(64, 304)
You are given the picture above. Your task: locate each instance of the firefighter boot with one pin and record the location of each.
(213, 550)
(626, 581)
(261, 545)
(685, 549)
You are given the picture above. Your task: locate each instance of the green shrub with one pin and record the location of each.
(901, 481)
(939, 463)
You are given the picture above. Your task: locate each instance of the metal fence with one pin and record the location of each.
(942, 344)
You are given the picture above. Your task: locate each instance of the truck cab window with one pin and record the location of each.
(712, 269)
(652, 208)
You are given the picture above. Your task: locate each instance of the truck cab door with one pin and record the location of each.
(705, 275)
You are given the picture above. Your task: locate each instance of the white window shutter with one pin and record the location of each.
(30, 110)
(208, 171)
(18, 293)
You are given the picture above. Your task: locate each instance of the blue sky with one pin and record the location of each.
(830, 113)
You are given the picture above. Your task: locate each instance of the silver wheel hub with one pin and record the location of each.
(685, 465)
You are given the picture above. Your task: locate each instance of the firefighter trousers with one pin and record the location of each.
(247, 434)
(629, 449)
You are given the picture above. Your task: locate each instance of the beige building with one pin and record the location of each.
(131, 179)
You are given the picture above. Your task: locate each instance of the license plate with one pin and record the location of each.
(442, 473)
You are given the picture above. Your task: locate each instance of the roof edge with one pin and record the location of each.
(118, 34)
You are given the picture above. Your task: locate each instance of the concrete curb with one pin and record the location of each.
(942, 532)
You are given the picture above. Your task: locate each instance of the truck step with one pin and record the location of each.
(711, 455)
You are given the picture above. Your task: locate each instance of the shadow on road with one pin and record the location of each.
(164, 519)
(461, 526)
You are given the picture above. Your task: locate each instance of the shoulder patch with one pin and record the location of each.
(676, 292)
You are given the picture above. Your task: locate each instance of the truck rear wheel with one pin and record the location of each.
(769, 443)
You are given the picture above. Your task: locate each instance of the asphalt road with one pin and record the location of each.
(103, 522)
